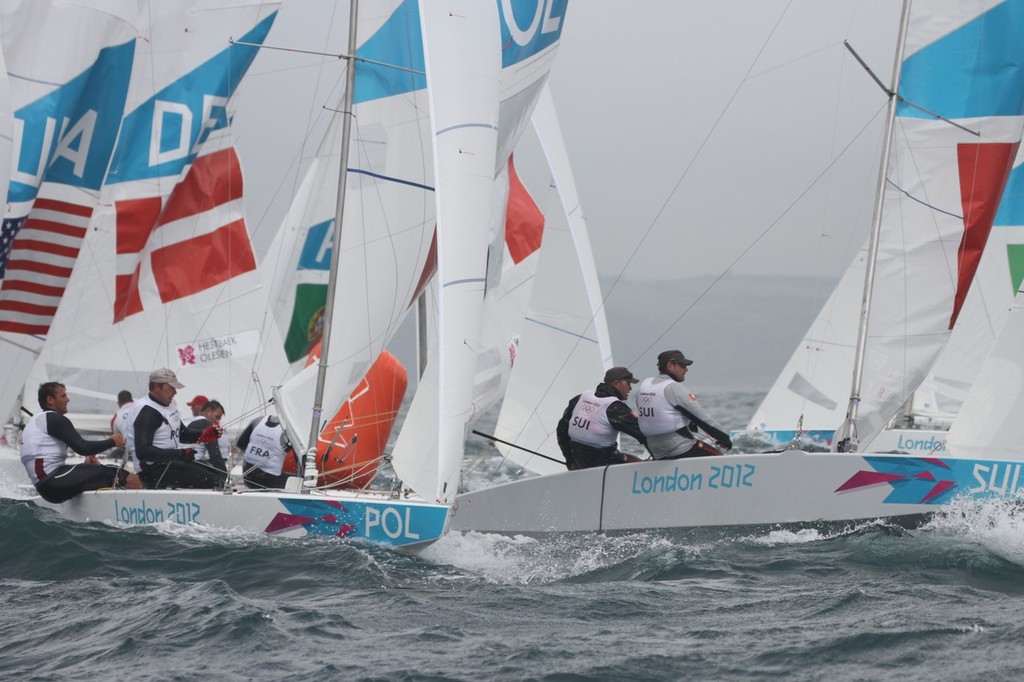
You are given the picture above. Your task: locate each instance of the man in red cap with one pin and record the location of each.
(197, 404)
(588, 433)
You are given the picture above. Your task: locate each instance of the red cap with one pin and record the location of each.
(199, 400)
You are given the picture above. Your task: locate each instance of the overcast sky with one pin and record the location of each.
(735, 135)
(698, 126)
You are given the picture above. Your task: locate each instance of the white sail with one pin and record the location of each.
(988, 423)
(530, 36)
(944, 184)
(385, 257)
(66, 79)
(464, 84)
(167, 277)
(564, 347)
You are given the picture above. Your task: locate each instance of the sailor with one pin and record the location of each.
(265, 444)
(669, 413)
(215, 451)
(119, 422)
(44, 452)
(589, 429)
(155, 436)
(196, 404)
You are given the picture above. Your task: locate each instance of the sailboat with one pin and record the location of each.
(805, 401)
(943, 173)
(428, 83)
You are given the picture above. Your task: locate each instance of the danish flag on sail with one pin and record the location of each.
(194, 241)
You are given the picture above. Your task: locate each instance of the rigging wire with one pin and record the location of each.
(748, 76)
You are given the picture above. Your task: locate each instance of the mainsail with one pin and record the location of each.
(564, 346)
(167, 275)
(67, 107)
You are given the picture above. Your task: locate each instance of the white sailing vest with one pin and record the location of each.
(166, 435)
(119, 423)
(654, 412)
(266, 447)
(37, 443)
(589, 422)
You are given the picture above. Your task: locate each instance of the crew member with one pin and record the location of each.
(265, 444)
(119, 422)
(155, 434)
(44, 452)
(589, 429)
(216, 451)
(196, 404)
(668, 413)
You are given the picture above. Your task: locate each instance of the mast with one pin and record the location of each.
(846, 436)
(310, 475)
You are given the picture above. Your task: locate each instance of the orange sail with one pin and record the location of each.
(349, 448)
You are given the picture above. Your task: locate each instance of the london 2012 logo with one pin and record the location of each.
(187, 355)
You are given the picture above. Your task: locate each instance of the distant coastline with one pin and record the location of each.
(740, 332)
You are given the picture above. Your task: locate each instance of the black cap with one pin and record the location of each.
(675, 356)
(616, 373)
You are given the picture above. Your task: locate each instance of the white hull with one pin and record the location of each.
(926, 442)
(369, 517)
(787, 487)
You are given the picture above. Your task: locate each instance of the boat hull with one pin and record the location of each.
(909, 441)
(368, 517)
(756, 489)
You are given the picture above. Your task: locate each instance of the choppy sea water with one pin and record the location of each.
(861, 601)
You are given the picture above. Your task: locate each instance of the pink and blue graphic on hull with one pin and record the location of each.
(388, 524)
(934, 481)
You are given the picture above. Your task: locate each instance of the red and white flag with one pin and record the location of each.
(37, 254)
(188, 243)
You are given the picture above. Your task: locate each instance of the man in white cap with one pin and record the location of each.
(156, 433)
(588, 433)
(669, 413)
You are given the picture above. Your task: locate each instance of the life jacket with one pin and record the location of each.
(589, 423)
(655, 413)
(37, 443)
(267, 445)
(166, 436)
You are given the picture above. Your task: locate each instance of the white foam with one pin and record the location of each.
(996, 524)
(525, 560)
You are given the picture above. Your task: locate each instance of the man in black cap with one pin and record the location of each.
(668, 413)
(588, 433)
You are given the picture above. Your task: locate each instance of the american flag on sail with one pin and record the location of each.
(37, 254)
(195, 240)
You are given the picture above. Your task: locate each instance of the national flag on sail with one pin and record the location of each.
(984, 170)
(524, 222)
(37, 254)
(195, 240)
